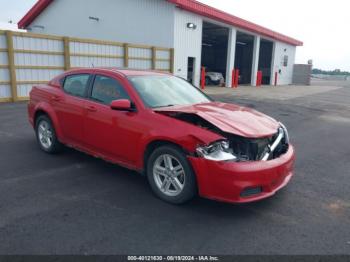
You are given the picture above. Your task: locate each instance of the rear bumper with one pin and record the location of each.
(243, 182)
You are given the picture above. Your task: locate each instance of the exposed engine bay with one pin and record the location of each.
(245, 149)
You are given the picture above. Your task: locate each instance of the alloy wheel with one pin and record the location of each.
(169, 175)
(45, 134)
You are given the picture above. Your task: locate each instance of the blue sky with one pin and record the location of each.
(321, 24)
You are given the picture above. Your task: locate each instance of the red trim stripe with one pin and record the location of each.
(33, 13)
(216, 14)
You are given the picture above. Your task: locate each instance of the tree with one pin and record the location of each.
(333, 72)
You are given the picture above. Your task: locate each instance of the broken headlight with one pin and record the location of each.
(218, 151)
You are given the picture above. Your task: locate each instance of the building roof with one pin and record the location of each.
(216, 14)
(33, 13)
(188, 5)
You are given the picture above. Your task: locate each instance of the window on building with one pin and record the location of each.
(107, 89)
(76, 85)
(285, 61)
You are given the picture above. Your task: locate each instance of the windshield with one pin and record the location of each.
(163, 91)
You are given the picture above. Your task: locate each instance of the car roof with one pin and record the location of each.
(123, 71)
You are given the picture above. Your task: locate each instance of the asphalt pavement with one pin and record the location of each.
(75, 204)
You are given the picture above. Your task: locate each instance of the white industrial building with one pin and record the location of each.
(200, 35)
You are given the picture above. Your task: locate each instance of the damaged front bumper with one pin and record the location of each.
(242, 182)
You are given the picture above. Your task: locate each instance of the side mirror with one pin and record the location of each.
(122, 105)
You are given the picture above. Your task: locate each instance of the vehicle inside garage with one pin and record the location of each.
(214, 51)
(244, 57)
(265, 60)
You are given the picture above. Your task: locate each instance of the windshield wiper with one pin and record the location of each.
(164, 106)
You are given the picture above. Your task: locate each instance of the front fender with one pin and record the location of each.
(188, 142)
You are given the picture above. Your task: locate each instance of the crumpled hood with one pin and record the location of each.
(230, 118)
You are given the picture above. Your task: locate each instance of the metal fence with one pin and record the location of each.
(27, 59)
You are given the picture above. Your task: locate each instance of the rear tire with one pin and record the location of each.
(170, 175)
(46, 135)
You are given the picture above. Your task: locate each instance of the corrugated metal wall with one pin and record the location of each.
(90, 54)
(188, 43)
(38, 58)
(141, 22)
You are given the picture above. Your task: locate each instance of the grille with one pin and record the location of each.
(247, 149)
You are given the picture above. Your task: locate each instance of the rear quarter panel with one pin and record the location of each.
(40, 101)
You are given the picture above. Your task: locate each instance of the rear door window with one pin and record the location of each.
(76, 85)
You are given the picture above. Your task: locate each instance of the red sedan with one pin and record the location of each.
(164, 128)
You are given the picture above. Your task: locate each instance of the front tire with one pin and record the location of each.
(170, 175)
(46, 135)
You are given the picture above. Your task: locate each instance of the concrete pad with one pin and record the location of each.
(270, 92)
(72, 203)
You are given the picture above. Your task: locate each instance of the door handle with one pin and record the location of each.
(91, 108)
(56, 98)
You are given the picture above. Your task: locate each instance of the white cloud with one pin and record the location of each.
(7, 26)
(14, 9)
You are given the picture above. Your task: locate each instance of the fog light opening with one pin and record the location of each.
(251, 191)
